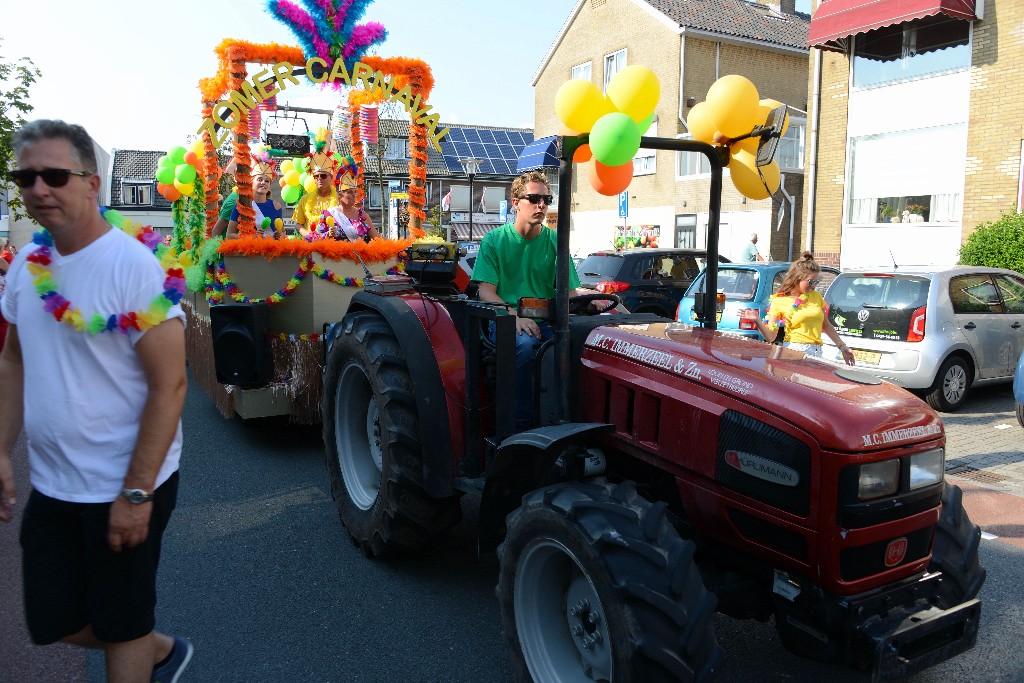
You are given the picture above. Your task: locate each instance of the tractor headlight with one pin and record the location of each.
(927, 468)
(879, 479)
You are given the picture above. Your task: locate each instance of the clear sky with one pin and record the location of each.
(129, 71)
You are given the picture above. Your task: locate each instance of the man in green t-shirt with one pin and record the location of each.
(227, 207)
(517, 260)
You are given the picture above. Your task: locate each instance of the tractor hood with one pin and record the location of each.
(845, 410)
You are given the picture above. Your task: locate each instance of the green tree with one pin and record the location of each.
(999, 244)
(15, 79)
(435, 217)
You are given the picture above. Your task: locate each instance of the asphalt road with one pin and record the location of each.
(259, 573)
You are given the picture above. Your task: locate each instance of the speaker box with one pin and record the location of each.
(241, 343)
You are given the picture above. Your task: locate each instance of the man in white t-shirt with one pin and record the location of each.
(101, 412)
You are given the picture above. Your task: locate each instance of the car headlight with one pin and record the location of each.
(879, 479)
(927, 468)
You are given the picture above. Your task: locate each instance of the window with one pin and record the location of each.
(581, 71)
(790, 153)
(686, 231)
(1012, 290)
(691, 164)
(613, 64)
(491, 198)
(910, 50)
(974, 294)
(398, 148)
(891, 184)
(373, 197)
(460, 198)
(739, 284)
(645, 161)
(138, 193)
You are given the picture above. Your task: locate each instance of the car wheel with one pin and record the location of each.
(950, 389)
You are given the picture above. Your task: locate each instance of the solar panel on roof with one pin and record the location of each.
(462, 149)
(455, 135)
(500, 137)
(508, 152)
(471, 135)
(486, 136)
(477, 150)
(492, 151)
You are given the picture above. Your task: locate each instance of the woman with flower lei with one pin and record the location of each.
(268, 212)
(801, 309)
(347, 220)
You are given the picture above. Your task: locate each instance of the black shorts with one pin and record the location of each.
(73, 579)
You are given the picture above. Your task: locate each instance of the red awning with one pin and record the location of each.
(837, 19)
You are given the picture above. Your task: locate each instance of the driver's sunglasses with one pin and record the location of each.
(54, 177)
(813, 282)
(537, 198)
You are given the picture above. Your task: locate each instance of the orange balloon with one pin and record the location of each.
(609, 180)
(699, 123)
(191, 158)
(171, 193)
(582, 154)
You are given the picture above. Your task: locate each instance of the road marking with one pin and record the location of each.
(987, 536)
(1004, 426)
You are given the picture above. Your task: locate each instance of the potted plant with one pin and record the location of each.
(887, 211)
(916, 212)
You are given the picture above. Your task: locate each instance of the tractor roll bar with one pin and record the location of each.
(567, 146)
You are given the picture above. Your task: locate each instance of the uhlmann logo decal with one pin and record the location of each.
(762, 468)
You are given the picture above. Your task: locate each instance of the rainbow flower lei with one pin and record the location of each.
(62, 309)
(797, 303)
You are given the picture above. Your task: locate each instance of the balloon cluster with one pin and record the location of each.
(295, 177)
(615, 121)
(732, 109)
(176, 171)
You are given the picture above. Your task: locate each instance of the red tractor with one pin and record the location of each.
(674, 472)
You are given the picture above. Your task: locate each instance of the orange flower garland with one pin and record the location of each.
(374, 251)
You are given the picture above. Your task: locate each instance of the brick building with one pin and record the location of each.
(689, 44)
(919, 131)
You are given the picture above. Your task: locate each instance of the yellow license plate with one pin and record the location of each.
(869, 357)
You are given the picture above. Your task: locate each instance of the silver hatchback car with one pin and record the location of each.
(934, 330)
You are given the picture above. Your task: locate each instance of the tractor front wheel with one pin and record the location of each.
(955, 552)
(596, 585)
(373, 449)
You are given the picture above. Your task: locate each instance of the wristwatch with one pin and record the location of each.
(136, 496)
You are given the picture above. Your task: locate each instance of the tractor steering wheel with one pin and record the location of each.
(580, 304)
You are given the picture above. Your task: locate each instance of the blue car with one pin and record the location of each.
(746, 285)
(1018, 389)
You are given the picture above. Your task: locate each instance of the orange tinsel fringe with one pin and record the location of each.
(213, 89)
(374, 251)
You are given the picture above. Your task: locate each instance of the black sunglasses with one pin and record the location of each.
(54, 177)
(537, 198)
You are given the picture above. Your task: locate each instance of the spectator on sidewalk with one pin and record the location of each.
(750, 252)
(101, 411)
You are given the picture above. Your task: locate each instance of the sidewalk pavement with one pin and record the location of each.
(985, 458)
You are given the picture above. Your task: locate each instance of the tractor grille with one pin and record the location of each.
(763, 462)
(867, 560)
(770, 535)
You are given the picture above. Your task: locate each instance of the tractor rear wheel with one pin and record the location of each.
(955, 552)
(596, 585)
(372, 440)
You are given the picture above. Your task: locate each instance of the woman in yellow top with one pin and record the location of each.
(801, 310)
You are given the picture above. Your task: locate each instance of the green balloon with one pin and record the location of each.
(165, 174)
(176, 154)
(644, 125)
(185, 173)
(614, 139)
(165, 161)
(291, 193)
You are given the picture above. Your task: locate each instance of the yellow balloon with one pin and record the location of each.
(763, 109)
(748, 144)
(753, 183)
(291, 177)
(287, 165)
(579, 104)
(700, 125)
(635, 91)
(185, 188)
(310, 185)
(734, 105)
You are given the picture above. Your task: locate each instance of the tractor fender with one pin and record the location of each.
(523, 463)
(424, 370)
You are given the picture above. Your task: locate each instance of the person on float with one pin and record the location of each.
(801, 310)
(350, 221)
(263, 205)
(309, 212)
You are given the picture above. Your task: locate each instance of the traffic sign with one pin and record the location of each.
(624, 204)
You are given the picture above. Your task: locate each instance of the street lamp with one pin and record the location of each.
(471, 166)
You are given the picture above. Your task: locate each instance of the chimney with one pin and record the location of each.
(787, 6)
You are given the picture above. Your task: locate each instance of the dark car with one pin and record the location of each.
(647, 280)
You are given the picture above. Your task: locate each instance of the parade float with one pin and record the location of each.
(274, 297)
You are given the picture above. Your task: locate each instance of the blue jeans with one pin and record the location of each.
(526, 351)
